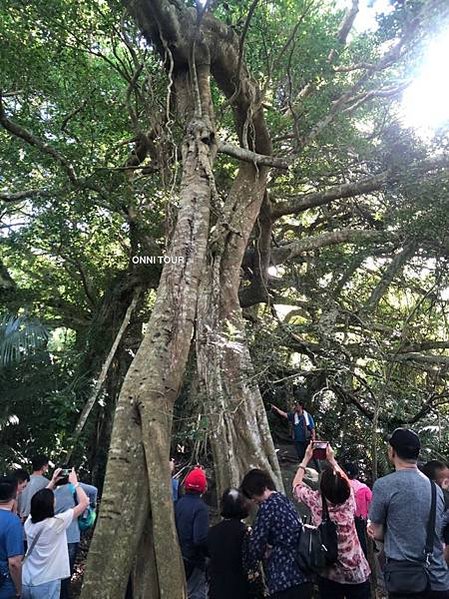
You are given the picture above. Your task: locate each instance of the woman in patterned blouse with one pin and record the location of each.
(348, 578)
(275, 538)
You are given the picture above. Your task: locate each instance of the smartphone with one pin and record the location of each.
(65, 471)
(320, 450)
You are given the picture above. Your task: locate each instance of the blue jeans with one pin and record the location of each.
(47, 590)
(65, 583)
(8, 590)
(197, 585)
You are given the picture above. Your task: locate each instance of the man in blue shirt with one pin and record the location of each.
(303, 426)
(11, 541)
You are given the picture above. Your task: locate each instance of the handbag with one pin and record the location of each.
(88, 518)
(318, 545)
(412, 577)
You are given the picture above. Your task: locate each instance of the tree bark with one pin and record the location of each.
(240, 435)
(140, 442)
(124, 507)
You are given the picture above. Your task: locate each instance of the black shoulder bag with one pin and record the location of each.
(318, 545)
(407, 577)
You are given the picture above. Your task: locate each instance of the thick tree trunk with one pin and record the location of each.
(124, 508)
(141, 437)
(142, 431)
(145, 583)
(241, 438)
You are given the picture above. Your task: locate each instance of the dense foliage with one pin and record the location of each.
(344, 294)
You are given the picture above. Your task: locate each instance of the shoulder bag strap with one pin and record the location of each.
(33, 545)
(431, 522)
(325, 514)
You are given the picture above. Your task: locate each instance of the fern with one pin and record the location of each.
(19, 337)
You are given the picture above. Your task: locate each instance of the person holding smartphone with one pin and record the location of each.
(47, 559)
(65, 498)
(348, 577)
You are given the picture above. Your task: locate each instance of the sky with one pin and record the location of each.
(425, 103)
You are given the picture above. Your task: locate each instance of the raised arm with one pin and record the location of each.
(54, 479)
(279, 411)
(299, 476)
(81, 497)
(330, 457)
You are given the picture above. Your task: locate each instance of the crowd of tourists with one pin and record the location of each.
(403, 519)
(41, 520)
(398, 531)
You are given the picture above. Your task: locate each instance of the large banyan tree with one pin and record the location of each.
(246, 140)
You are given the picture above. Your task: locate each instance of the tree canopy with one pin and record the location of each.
(337, 251)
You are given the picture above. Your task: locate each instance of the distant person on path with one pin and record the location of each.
(303, 426)
(348, 578)
(399, 514)
(47, 562)
(192, 524)
(37, 482)
(275, 537)
(363, 497)
(65, 498)
(11, 541)
(228, 578)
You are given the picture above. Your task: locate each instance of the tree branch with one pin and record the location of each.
(31, 139)
(442, 361)
(253, 157)
(88, 407)
(394, 267)
(385, 92)
(337, 192)
(345, 27)
(17, 196)
(348, 22)
(292, 250)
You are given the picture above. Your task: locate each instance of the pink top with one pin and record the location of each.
(363, 496)
(351, 566)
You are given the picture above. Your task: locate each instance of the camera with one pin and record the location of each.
(63, 476)
(319, 450)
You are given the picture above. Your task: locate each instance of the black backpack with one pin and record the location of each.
(318, 545)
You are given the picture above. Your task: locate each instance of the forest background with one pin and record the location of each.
(262, 146)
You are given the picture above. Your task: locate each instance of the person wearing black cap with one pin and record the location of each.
(399, 514)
